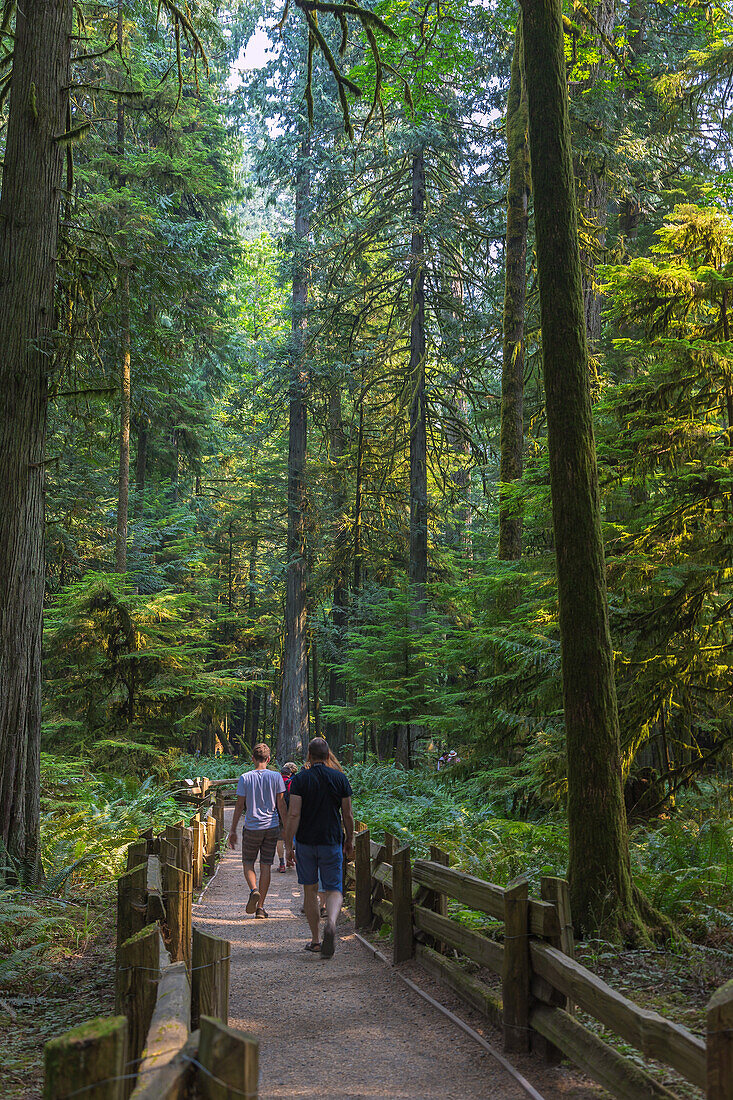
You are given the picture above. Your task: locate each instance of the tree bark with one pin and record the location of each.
(599, 867)
(418, 568)
(512, 375)
(418, 426)
(593, 187)
(293, 732)
(29, 212)
(123, 296)
(336, 691)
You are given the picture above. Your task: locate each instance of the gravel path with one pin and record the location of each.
(347, 1027)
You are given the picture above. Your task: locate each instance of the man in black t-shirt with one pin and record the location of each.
(320, 798)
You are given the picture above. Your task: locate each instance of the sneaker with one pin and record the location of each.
(261, 914)
(252, 900)
(281, 868)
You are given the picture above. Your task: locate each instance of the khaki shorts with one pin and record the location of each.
(259, 842)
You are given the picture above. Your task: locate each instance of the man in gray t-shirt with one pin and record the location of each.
(260, 796)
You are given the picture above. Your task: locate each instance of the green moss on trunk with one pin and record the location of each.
(601, 888)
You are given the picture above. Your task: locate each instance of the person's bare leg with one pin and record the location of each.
(310, 901)
(265, 872)
(334, 900)
(249, 875)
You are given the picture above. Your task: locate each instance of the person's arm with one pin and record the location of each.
(291, 825)
(347, 814)
(238, 811)
(282, 809)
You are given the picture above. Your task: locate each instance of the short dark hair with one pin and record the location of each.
(261, 753)
(318, 749)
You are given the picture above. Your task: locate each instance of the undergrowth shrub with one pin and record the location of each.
(683, 863)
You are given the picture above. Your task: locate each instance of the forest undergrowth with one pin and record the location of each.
(57, 940)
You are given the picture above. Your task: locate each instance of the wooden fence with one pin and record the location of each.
(540, 979)
(171, 987)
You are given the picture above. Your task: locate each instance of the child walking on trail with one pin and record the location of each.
(261, 797)
(287, 773)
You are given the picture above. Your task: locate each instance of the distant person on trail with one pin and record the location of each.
(288, 771)
(448, 759)
(261, 793)
(320, 799)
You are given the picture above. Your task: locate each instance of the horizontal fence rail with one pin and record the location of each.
(169, 977)
(542, 982)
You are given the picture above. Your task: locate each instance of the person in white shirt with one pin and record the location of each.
(261, 797)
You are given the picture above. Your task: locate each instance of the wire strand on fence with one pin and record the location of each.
(218, 1080)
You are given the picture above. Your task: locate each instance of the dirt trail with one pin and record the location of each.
(347, 1027)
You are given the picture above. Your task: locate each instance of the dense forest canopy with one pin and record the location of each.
(382, 390)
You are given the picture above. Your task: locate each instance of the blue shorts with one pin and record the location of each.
(321, 864)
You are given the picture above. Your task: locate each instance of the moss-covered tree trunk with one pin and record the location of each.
(123, 301)
(599, 870)
(29, 211)
(293, 731)
(515, 285)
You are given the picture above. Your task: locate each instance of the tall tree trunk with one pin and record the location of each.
(418, 430)
(456, 428)
(512, 375)
(418, 426)
(593, 187)
(256, 699)
(336, 690)
(249, 724)
(629, 216)
(358, 502)
(141, 462)
(599, 867)
(123, 296)
(29, 211)
(293, 733)
(316, 686)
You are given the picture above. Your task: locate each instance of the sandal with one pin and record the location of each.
(252, 900)
(261, 914)
(281, 868)
(314, 948)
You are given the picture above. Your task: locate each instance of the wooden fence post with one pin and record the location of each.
(720, 1044)
(403, 932)
(210, 977)
(94, 1054)
(554, 890)
(155, 909)
(137, 853)
(138, 973)
(210, 844)
(516, 977)
(363, 857)
(218, 812)
(178, 894)
(437, 901)
(132, 890)
(199, 830)
(229, 1061)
